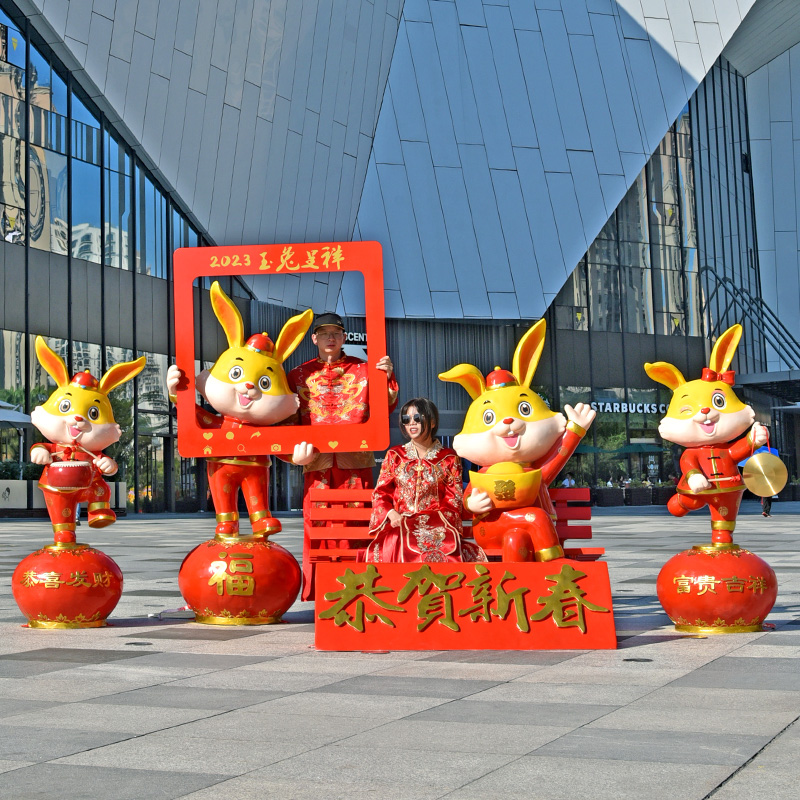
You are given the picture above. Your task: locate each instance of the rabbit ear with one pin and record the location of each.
(528, 353)
(52, 362)
(120, 373)
(468, 376)
(292, 334)
(725, 349)
(228, 316)
(665, 373)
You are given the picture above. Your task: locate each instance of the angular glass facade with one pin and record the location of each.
(88, 236)
(674, 265)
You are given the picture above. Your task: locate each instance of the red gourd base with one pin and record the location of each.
(717, 588)
(67, 585)
(239, 580)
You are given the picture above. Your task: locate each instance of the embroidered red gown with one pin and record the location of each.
(427, 491)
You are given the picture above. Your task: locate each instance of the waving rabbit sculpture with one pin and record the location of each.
(78, 421)
(705, 416)
(246, 386)
(522, 445)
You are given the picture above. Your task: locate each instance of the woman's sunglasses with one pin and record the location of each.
(406, 418)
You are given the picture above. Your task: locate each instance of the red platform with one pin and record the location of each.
(556, 605)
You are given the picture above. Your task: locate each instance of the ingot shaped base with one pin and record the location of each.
(208, 620)
(37, 623)
(720, 629)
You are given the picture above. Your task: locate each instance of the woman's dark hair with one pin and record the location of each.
(427, 410)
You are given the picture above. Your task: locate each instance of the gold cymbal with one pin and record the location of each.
(764, 474)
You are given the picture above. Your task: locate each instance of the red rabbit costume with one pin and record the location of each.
(330, 394)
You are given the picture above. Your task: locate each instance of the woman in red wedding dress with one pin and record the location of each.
(417, 502)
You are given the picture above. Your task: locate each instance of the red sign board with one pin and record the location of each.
(280, 259)
(557, 605)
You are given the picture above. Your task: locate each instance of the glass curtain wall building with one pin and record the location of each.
(656, 284)
(88, 236)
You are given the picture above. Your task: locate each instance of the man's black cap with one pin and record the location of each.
(328, 318)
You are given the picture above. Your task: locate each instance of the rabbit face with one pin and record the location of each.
(248, 381)
(79, 410)
(73, 422)
(508, 424)
(248, 386)
(703, 413)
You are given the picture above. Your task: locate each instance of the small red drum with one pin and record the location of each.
(69, 476)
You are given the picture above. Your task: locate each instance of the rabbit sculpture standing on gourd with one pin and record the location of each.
(78, 421)
(69, 584)
(705, 416)
(522, 446)
(246, 386)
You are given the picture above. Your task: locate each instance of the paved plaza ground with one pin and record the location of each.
(151, 708)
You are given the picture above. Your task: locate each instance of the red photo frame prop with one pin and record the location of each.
(191, 263)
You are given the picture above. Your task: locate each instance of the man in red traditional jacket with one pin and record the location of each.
(333, 389)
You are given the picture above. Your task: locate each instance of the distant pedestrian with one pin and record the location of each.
(766, 505)
(569, 481)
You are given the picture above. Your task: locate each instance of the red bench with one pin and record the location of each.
(572, 505)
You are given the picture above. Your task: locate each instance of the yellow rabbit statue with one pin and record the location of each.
(705, 416)
(522, 445)
(246, 386)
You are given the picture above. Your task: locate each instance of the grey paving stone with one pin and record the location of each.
(392, 766)
(313, 730)
(261, 786)
(171, 696)
(90, 716)
(206, 633)
(10, 707)
(25, 669)
(536, 658)
(746, 673)
(187, 754)
(70, 654)
(536, 777)
(194, 661)
(568, 715)
(409, 687)
(460, 737)
(45, 744)
(673, 747)
(109, 783)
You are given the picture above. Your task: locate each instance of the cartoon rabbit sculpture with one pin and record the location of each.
(246, 386)
(78, 421)
(706, 417)
(522, 445)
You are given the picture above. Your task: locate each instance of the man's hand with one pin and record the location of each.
(303, 454)
(174, 377)
(479, 502)
(385, 364)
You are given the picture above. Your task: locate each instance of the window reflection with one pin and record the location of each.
(151, 256)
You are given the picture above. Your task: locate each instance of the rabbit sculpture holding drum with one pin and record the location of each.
(78, 421)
